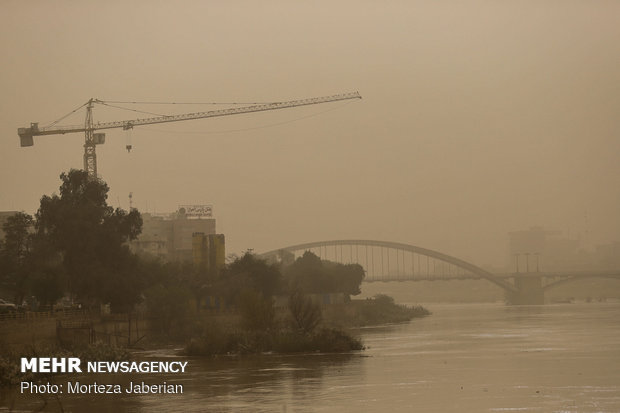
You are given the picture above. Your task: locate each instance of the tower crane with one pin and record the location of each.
(93, 139)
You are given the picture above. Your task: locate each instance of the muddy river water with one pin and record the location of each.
(463, 358)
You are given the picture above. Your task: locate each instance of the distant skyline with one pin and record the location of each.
(478, 118)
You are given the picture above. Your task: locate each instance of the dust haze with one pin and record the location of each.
(477, 119)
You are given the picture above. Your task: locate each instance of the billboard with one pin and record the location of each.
(196, 210)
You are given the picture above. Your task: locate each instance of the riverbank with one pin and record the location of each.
(283, 341)
(217, 334)
(329, 331)
(381, 309)
(490, 350)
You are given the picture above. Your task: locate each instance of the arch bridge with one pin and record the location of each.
(393, 261)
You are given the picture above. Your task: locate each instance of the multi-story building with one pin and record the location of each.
(209, 251)
(169, 236)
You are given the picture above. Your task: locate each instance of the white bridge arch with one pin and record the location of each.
(392, 261)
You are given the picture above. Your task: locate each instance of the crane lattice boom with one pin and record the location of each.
(92, 139)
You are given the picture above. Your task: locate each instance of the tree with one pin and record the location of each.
(168, 306)
(90, 237)
(308, 275)
(17, 236)
(47, 284)
(252, 273)
(311, 275)
(14, 252)
(306, 314)
(346, 278)
(257, 312)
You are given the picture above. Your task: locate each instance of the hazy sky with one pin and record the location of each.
(478, 117)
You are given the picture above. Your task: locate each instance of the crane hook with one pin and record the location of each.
(128, 128)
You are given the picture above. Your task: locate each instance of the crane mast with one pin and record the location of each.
(92, 139)
(90, 156)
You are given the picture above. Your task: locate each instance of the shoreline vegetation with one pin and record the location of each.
(281, 341)
(210, 303)
(381, 309)
(306, 329)
(301, 328)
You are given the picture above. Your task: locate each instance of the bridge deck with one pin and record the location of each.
(393, 261)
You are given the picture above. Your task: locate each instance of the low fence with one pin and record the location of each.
(75, 331)
(40, 315)
(70, 327)
(81, 327)
(117, 331)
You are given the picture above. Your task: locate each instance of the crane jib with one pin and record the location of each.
(34, 130)
(26, 134)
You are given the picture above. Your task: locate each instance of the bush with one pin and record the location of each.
(306, 314)
(290, 341)
(384, 300)
(10, 370)
(326, 340)
(330, 340)
(168, 307)
(219, 341)
(257, 312)
(101, 352)
(382, 309)
(209, 345)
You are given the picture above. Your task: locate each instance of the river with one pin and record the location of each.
(463, 358)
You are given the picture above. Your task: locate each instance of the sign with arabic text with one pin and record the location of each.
(196, 210)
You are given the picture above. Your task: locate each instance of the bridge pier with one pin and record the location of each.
(529, 291)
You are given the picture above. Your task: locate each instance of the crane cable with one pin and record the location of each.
(131, 110)
(102, 103)
(68, 114)
(108, 103)
(186, 103)
(146, 128)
